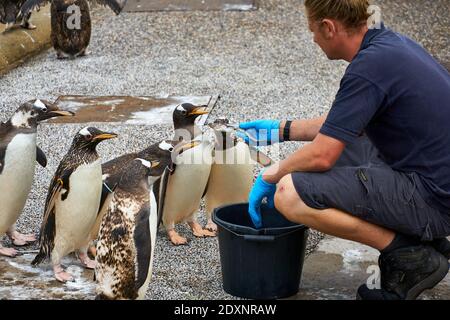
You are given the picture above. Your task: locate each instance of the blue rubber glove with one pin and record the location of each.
(261, 130)
(261, 189)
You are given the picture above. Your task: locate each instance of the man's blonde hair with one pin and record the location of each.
(352, 13)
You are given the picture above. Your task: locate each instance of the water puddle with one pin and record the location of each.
(21, 281)
(126, 109)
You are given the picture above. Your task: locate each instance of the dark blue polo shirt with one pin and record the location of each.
(397, 94)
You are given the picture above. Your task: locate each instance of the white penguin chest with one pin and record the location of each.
(78, 212)
(231, 177)
(20, 157)
(17, 177)
(186, 186)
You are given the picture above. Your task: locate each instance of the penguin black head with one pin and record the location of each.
(137, 173)
(166, 152)
(90, 137)
(29, 114)
(185, 114)
(162, 152)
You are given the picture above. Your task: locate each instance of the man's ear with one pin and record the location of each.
(329, 28)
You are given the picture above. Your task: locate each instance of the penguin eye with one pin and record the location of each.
(44, 109)
(170, 149)
(184, 112)
(88, 137)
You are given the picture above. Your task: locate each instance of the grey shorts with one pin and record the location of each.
(361, 184)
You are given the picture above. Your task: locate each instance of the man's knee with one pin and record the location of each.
(287, 200)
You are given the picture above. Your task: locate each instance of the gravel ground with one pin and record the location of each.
(263, 64)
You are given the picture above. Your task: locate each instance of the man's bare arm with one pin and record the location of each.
(317, 156)
(304, 130)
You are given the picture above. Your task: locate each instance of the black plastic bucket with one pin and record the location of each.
(262, 263)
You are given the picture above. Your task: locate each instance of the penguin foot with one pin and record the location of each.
(211, 226)
(20, 239)
(60, 55)
(175, 238)
(8, 252)
(61, 275)
(83, 53)
(28, 25)
(199, 232)
(9, 26)
(93, 251)
(86, 261)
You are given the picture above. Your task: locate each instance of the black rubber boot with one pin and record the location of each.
(442, 246)
(406, 273)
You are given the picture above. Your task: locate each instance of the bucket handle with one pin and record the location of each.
(262, 238)
(256, 238)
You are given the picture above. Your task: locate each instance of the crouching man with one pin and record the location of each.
(377, 170)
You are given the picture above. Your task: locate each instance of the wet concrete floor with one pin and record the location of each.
(21, 281)
(129, 110)
(338, 267)
(333, 272)
(189, 5)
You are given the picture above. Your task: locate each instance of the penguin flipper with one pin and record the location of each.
(48, 227)
(2, 157)
(46, 238)
(40, 157)
(159, 188)
(143, 244)
(60, 182)
(4, 140)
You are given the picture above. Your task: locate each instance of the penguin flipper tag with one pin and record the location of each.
(114, 5)
(106, 197)
(40, 157)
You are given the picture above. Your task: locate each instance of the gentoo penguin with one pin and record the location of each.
(72, 203)
(18, 156)
(113, 170)
(9, 11)
(231, 177)
(71, 23)
(127, 236)
(182, 191)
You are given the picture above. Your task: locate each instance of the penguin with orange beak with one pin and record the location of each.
(18, 156)
(183, 190)
(72, 203)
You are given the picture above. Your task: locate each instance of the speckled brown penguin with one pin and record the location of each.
(9, 14)
(113, 170)
(72, 203)
(18, 156)
(127, 236)
(71, 23)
